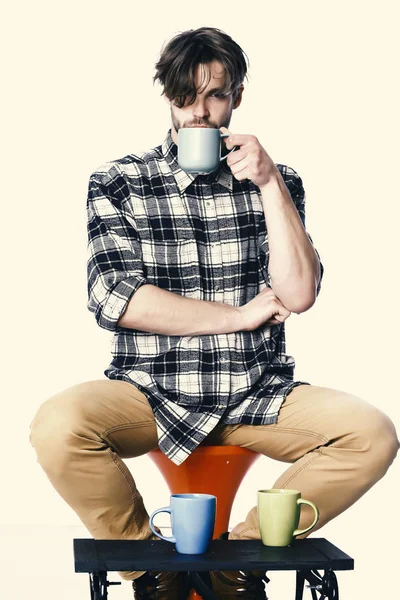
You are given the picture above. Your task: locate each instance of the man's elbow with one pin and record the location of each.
(299, 303)
(302, 307)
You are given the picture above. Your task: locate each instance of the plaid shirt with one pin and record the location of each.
(202, 237)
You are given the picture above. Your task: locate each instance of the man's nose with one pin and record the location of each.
(200, 109)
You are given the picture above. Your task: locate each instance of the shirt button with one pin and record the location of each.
(217, 288)
(208, 203)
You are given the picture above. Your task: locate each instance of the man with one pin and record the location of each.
(196, 275)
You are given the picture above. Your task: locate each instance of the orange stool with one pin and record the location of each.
(216, 470)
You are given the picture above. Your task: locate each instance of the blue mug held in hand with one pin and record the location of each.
(192, 520)
(199, 149)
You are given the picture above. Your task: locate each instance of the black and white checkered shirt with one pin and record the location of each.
(202, 237)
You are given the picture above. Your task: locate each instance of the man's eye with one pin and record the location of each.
(217, 95)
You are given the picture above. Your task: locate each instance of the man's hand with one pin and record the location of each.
(264, 309)
(251, 161)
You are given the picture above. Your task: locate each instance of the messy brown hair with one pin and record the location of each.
(176, 67)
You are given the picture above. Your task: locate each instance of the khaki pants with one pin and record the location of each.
(338, 446)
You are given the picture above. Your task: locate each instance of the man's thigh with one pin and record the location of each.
(310, 417)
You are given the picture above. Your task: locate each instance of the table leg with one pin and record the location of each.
(325, 586)
(99, 584)
(202, 585)
(299, 585)
(330, 585)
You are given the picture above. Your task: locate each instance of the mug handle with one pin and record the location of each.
(224, 135)
(163, 537)
(300, 531)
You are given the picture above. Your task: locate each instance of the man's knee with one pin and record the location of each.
(387, 442)
(53, 431)
(377, 439)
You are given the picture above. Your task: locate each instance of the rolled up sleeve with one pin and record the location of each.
(114, 267)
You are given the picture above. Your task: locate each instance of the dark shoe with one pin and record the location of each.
(154, 585)
(231, 585)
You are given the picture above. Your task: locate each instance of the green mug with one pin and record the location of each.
(279, 515)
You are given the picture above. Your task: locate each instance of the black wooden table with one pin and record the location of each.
(307, 557)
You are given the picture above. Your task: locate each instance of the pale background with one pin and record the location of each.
(323, 98)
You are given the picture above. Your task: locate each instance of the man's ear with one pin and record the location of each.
(238, 100)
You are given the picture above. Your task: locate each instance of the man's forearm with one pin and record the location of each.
(293, 265)
(159, 311)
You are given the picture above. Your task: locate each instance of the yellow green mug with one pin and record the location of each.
(279, 515)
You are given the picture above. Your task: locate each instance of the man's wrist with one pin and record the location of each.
(238, 319)
(275, 181)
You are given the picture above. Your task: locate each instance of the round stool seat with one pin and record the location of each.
(216, 470)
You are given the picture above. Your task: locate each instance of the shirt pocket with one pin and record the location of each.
(173, 265)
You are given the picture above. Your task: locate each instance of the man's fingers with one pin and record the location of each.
(238, 139)
(282, 314)
(235, 157)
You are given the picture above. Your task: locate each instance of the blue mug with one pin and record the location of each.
(192, 520)
(199, 149)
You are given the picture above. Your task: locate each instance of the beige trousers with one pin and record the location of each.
(337, 445)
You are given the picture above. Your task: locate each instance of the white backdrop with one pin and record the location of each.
(322, 97)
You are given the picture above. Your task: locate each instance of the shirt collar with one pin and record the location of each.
(222, 175)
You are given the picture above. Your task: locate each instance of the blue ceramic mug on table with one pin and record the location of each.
(192, 521)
